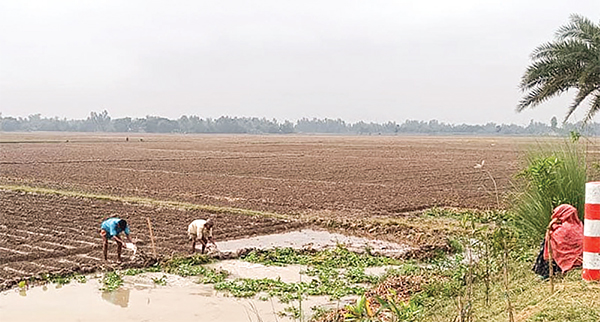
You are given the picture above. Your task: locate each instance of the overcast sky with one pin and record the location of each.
(455, 61)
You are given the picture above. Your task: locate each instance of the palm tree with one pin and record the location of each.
(571, 61)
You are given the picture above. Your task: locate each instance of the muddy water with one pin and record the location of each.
(182, 299)
(288, 274)
(315, 239)
(139, 300)
(241, 269)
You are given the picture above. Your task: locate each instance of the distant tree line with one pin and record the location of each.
(102, 122)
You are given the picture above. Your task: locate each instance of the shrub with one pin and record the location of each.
(555, 174)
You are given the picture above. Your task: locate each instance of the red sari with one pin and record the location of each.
(566, 238)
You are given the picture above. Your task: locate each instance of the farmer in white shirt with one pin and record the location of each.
(201, 230)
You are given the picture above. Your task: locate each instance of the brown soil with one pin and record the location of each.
(286, 174)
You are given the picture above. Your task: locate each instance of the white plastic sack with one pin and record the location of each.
(132, 247)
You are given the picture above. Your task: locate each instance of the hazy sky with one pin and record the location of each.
(455, 61)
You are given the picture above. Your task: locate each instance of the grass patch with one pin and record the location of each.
(477, 216)
(143, 201)
(476, 290)
(574, 300)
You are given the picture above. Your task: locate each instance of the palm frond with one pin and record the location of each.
(539, 95)
(579, 28)
(594, 107)
(581, 95)
(571, 61)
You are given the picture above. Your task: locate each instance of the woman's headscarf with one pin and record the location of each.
(566, 238)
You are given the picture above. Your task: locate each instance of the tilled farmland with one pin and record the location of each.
(341, 178)
(276, 173)
(49, 233)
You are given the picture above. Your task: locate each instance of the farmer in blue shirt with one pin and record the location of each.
(110, 229)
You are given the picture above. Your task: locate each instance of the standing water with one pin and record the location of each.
(181, 298)
(140, 300)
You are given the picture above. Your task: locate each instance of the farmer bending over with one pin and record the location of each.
(201, 230)
(111, 228)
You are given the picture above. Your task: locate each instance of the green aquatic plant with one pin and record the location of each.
(278, 257)
(197, 259)
(319, 312)
(156, 268)
(63, 279)
(134, 271)
(212, 276)
(81, 279)
(186, 266)
(160, 280)
(111, 281)
(334, 272)
(208, 275)
(294, 312)
(338, 257)
(357, 275)
(325, 281)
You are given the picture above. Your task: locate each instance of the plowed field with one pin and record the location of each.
(339, 177)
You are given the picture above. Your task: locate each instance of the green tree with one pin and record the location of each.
(571, 61)
(553, 123)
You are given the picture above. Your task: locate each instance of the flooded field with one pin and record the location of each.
(158, 296)
(315, 240)
(141, 300)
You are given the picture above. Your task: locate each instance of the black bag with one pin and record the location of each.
(541, 267)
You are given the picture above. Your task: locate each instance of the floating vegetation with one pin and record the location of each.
(334, 272)
(160, 280)
(111, 281)
(339, 257)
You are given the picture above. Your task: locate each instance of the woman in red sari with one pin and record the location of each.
(565, 237)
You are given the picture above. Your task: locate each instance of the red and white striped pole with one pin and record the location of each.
(591, 232)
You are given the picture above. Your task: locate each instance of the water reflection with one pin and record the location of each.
(118, 297)
(181, 300)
